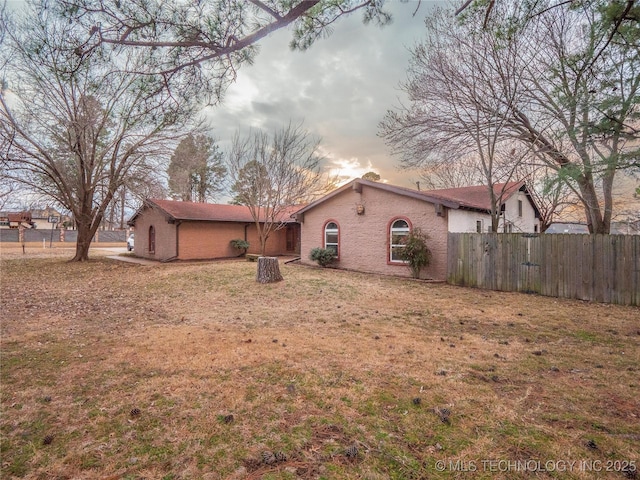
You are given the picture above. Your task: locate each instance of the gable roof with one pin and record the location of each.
(477, 196)
(206, 212)
(469, 198)
(357, 183)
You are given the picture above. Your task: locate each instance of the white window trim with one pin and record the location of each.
(335, 231)
(397, 230)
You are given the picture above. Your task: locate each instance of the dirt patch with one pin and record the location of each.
(346, 375)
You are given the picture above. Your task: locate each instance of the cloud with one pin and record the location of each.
(341, 88)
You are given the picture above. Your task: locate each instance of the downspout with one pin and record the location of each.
(178, 223)
(246, 236)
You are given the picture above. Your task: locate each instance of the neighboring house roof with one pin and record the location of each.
(567, 227)
(630, 227)
(617, 228)
(470, 198)
(19, 217)
(206, 212)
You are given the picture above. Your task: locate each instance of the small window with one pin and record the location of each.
(519, 208)
(478, 226)
(331, 235)
(535, 228)
(398, 238)
(152, 239)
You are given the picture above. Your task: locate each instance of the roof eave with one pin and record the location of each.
(357, 184)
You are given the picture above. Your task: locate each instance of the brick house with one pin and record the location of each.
(168, 230)
(364, 222)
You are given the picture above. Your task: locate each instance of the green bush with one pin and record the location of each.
(323, 256)
(240, 244)
(416, 252)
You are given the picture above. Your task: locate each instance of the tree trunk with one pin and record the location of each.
(86, 231)
(268, 270)
(82, 245)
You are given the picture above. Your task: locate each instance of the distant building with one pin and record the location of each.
(16, 220)
(47, 218)
(617, 228)
(567, 227)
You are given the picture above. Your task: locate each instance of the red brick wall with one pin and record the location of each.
(165, 235)
(199, 240)
(363, 239)
(202, 240)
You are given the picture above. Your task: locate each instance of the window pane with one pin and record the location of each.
(332, 238)
(398, 238)
(400, 224)
(332, 247)
(396, 254)
(331, 226)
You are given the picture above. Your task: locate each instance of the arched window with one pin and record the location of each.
(331, 237)
(152, 239)
(398, 233)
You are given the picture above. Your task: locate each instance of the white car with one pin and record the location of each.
(130, 243)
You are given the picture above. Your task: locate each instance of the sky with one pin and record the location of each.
(340, 88)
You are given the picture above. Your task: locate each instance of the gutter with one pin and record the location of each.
(178, 223)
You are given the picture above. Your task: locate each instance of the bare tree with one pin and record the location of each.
(198, 46)
(73, 125)
(451, 173)
(551, 195)
(8, 187)
(549, 85)
(579, 105)
(142, 183)
(454, 112)
(272, 173)
(616, 16)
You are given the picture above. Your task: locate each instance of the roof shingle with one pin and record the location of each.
(211, 212)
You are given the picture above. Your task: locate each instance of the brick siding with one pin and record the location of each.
(364, 239)
(199, 240)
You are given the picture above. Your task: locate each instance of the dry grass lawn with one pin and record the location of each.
(194, 371)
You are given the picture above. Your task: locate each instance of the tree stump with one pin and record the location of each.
(268, 270)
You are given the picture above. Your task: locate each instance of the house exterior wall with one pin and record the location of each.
(527, 223)
(364, 239)
(276, 243)
(199, 240)
(165, 235)
(203, 240)
(464, 221)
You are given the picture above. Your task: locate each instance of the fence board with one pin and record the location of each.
(603, 268)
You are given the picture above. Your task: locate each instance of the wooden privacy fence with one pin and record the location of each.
(602, 268)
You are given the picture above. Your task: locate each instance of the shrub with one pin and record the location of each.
(323, 256)
(240, 244)
(416, 251)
